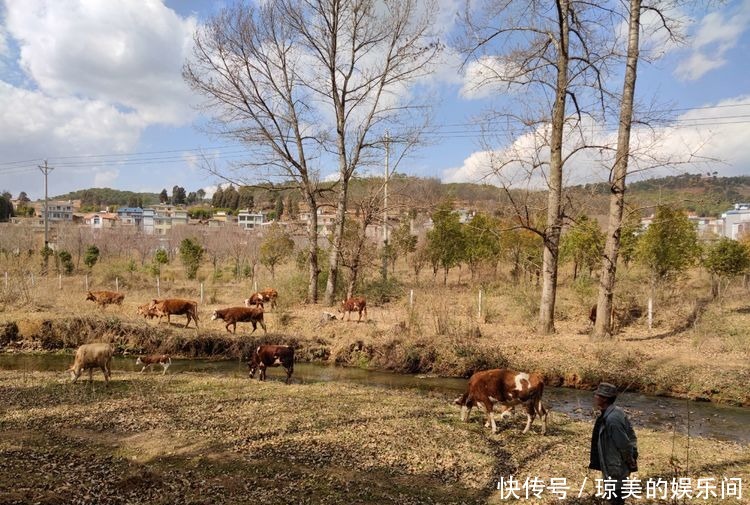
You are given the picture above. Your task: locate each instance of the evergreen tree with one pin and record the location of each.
(217, 200)
(6, 207)
(446, 239)
(163, 196)
(191, 254)
(247, 199)
(279, 208)
(91, 256)
(200, 194)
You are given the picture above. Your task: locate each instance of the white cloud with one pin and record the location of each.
(127, 53)
(717, 33)
(488, 76)
(105, 178)
(696, 142)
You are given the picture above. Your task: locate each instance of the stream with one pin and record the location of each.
(658, 413)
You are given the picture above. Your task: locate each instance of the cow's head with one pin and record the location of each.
(215, 315)
(90, 296)
(138, 361)
(342, 307)
(253, 362)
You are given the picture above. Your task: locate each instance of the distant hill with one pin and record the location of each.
(101, 197)
(704, 194)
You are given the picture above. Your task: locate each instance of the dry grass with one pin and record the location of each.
(193, 438)
(443, 333)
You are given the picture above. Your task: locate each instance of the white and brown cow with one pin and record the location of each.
(154, 359)
(354, 304)
(272, 355)
(507, 388)
(90, 356)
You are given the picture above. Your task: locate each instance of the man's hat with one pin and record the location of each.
(606, 390)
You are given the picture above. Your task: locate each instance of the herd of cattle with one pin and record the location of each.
(506, 388)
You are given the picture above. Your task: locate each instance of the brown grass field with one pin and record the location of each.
(193, 438)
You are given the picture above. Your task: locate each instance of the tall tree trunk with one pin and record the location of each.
(312, 258)
(335, 252)
(603, 325)
(554, 195)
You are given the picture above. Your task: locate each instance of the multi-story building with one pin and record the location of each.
(130, 216)
(249, 220)
(162, 218)
(57, 211)
(736, 221)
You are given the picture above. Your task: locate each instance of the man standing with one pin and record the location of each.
(614, 446)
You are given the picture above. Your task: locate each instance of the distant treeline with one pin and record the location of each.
(705, 194)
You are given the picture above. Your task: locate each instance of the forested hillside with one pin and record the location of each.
(704, 194)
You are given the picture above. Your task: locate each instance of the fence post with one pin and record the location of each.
(411, 299)
(255, 286)
(158, 290)
(87, 282)
(201, 292)
(479, 316)
(59, 281)
(117, 284)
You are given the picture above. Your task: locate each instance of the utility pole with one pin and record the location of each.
(385, 206)
(46, 170)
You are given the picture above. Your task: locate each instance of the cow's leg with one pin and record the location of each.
(165, 365)
(289, 371)
(255, 327)
(262, 371)
(91, 375)
(263, 325)
(188, 321)
(530, 415)
(542, 412)
(359, 314)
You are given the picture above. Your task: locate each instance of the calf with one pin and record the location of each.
(269, 295)
(272, 355)
(508, 388)
(354, 304)
(104, 298)
(234, 315)
(146, 311)
(154, 359)
(90, 356)
(175, 306)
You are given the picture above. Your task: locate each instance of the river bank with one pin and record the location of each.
(663, 363)
(197, 438)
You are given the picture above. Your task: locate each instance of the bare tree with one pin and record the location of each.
(618, 174)
(248, 63)
(548, 56)
(306, 83)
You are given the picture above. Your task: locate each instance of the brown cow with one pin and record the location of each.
(154, 359)
(508, 388)
(104, 298)
(175, 306)
(90, 356)
(354, 304)
(269, 296)
(234, 315)
(272, 355)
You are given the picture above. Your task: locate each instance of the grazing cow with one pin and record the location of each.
(90, 356)
(508, 388)
(272, 355)
(104, 298)
(255, 300)
(234, 315)
(154, 359)
(146, 311)
(175, 306)
(354, 304)
(269, 296)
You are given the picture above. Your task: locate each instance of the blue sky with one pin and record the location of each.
(94, 87)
